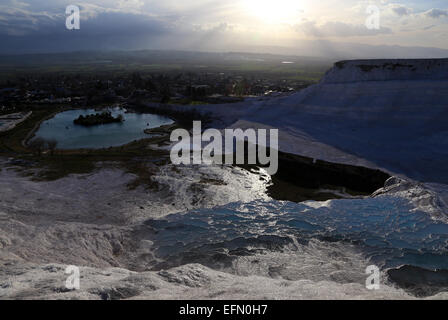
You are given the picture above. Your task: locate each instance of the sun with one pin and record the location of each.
(275, 11)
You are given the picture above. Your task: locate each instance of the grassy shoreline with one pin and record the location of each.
(13, 144)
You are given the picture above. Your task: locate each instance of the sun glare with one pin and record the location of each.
(275, 11)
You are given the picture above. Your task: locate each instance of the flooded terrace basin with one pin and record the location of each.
(71, 136)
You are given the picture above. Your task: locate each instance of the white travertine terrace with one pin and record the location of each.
(10, 121)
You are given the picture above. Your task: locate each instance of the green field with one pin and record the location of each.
(249, 65)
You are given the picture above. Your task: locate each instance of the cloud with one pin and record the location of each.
(338, 29)
(400, 9)
(18, 22)
(429, 27)
(134, 4)
(139, 24)
(95, 20)
(105, 29)
(436, 13)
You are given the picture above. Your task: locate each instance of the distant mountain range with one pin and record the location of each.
(321, 49)
(345, 51)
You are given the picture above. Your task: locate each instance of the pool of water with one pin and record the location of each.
(71, 136)
(386, 231)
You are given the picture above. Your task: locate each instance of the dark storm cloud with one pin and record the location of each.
(25, 31)
(16, 22)
(37, 26)
(121, 24)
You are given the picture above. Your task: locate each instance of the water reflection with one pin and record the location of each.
(71, 136)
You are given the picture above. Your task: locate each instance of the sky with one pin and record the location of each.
(218, 25)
